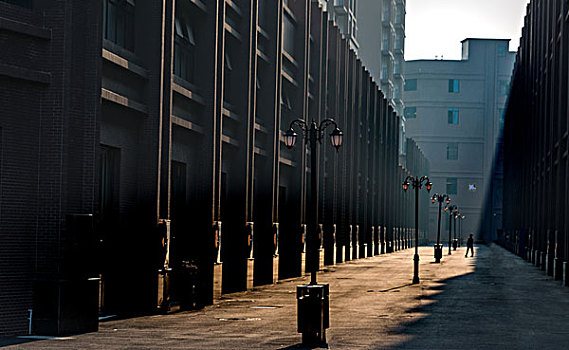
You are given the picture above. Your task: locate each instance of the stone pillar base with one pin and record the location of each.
(275, 268)
(320, 259)
(557, 269)
(347, 253)
(537, 258)
(565, 278)
(549, 264)
(355, 250)
(340, 253)
(302, 263)
(250, 274)
(217, 274)
(363, 251)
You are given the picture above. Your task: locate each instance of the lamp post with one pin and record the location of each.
(450, 209)
(455, 240)
(313, 299)
(417, 184)
(460, 229)
(438, 247)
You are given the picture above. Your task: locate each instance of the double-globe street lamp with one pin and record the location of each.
(457, 215)
(313, 299)
(460, 229)
(439, 247)
(451, 210)
(417, 184)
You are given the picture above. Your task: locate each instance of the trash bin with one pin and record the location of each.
(454, 244)
(186, 280)
(438, 252)
(313, 302)
(65, 306)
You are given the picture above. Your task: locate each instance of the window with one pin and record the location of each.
(501, 116)
(452, 151)
(397, 68)
(385, 41)
(184, 49)
(454, 85)
(384, 70)
(385, 15)
(21, 3)
(398, 42)
(289, 33)
(410, 84)
(396, 92)
(228, 72)
(118, 22)
(504, 87)
(453, 116)
(502, 50)
(452, 185)
(410, 112)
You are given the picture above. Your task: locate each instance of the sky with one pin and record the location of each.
(436, 27)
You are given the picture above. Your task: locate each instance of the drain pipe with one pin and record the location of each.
(31, 311)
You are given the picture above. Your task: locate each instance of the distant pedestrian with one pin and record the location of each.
(470, 246)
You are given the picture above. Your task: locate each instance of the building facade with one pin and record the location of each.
(535, 142)
(454, 110)
(142, 149)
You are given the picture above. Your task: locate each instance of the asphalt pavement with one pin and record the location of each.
(493, 300)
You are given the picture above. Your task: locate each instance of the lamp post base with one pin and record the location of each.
(416, 269)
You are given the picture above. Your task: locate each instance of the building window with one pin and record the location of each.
(504, 87)
(118, 22)
(184, 50)
(385, 14)
(396, 92)
(452, 185)
(454, 85)
(385, 41)
(397, 68)
(228, 72)
(384, 70)
(21, 3)
(289, 33)
(502, 50)
(452, 151)
(453, 116)
(410, 84)
(410, 112)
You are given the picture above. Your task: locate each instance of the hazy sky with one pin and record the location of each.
(436, 27)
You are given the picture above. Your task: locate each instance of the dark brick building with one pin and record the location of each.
(536, 223)
(141, 144)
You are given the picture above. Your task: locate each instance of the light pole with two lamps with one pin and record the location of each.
(439, 247)
(417, 184)
(313, 299)
(451, 210)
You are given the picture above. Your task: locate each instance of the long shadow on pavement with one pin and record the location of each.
(504, 304)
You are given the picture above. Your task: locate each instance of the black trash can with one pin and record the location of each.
(454, 244)
(65, 306)
(313, 302)
(438, 252)
(186, 281)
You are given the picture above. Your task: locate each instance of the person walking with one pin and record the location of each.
(469, 246)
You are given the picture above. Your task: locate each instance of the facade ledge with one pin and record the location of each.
(123, 101)
(16, 72)
(24, 28)
(181, 87)
(124, 63)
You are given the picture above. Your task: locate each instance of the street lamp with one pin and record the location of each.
(417, 184)
(313, 299)
(460, 229)
(455, 240)
(439, 247)
(451, 209)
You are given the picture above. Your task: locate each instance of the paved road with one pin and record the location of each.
(492, 301)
